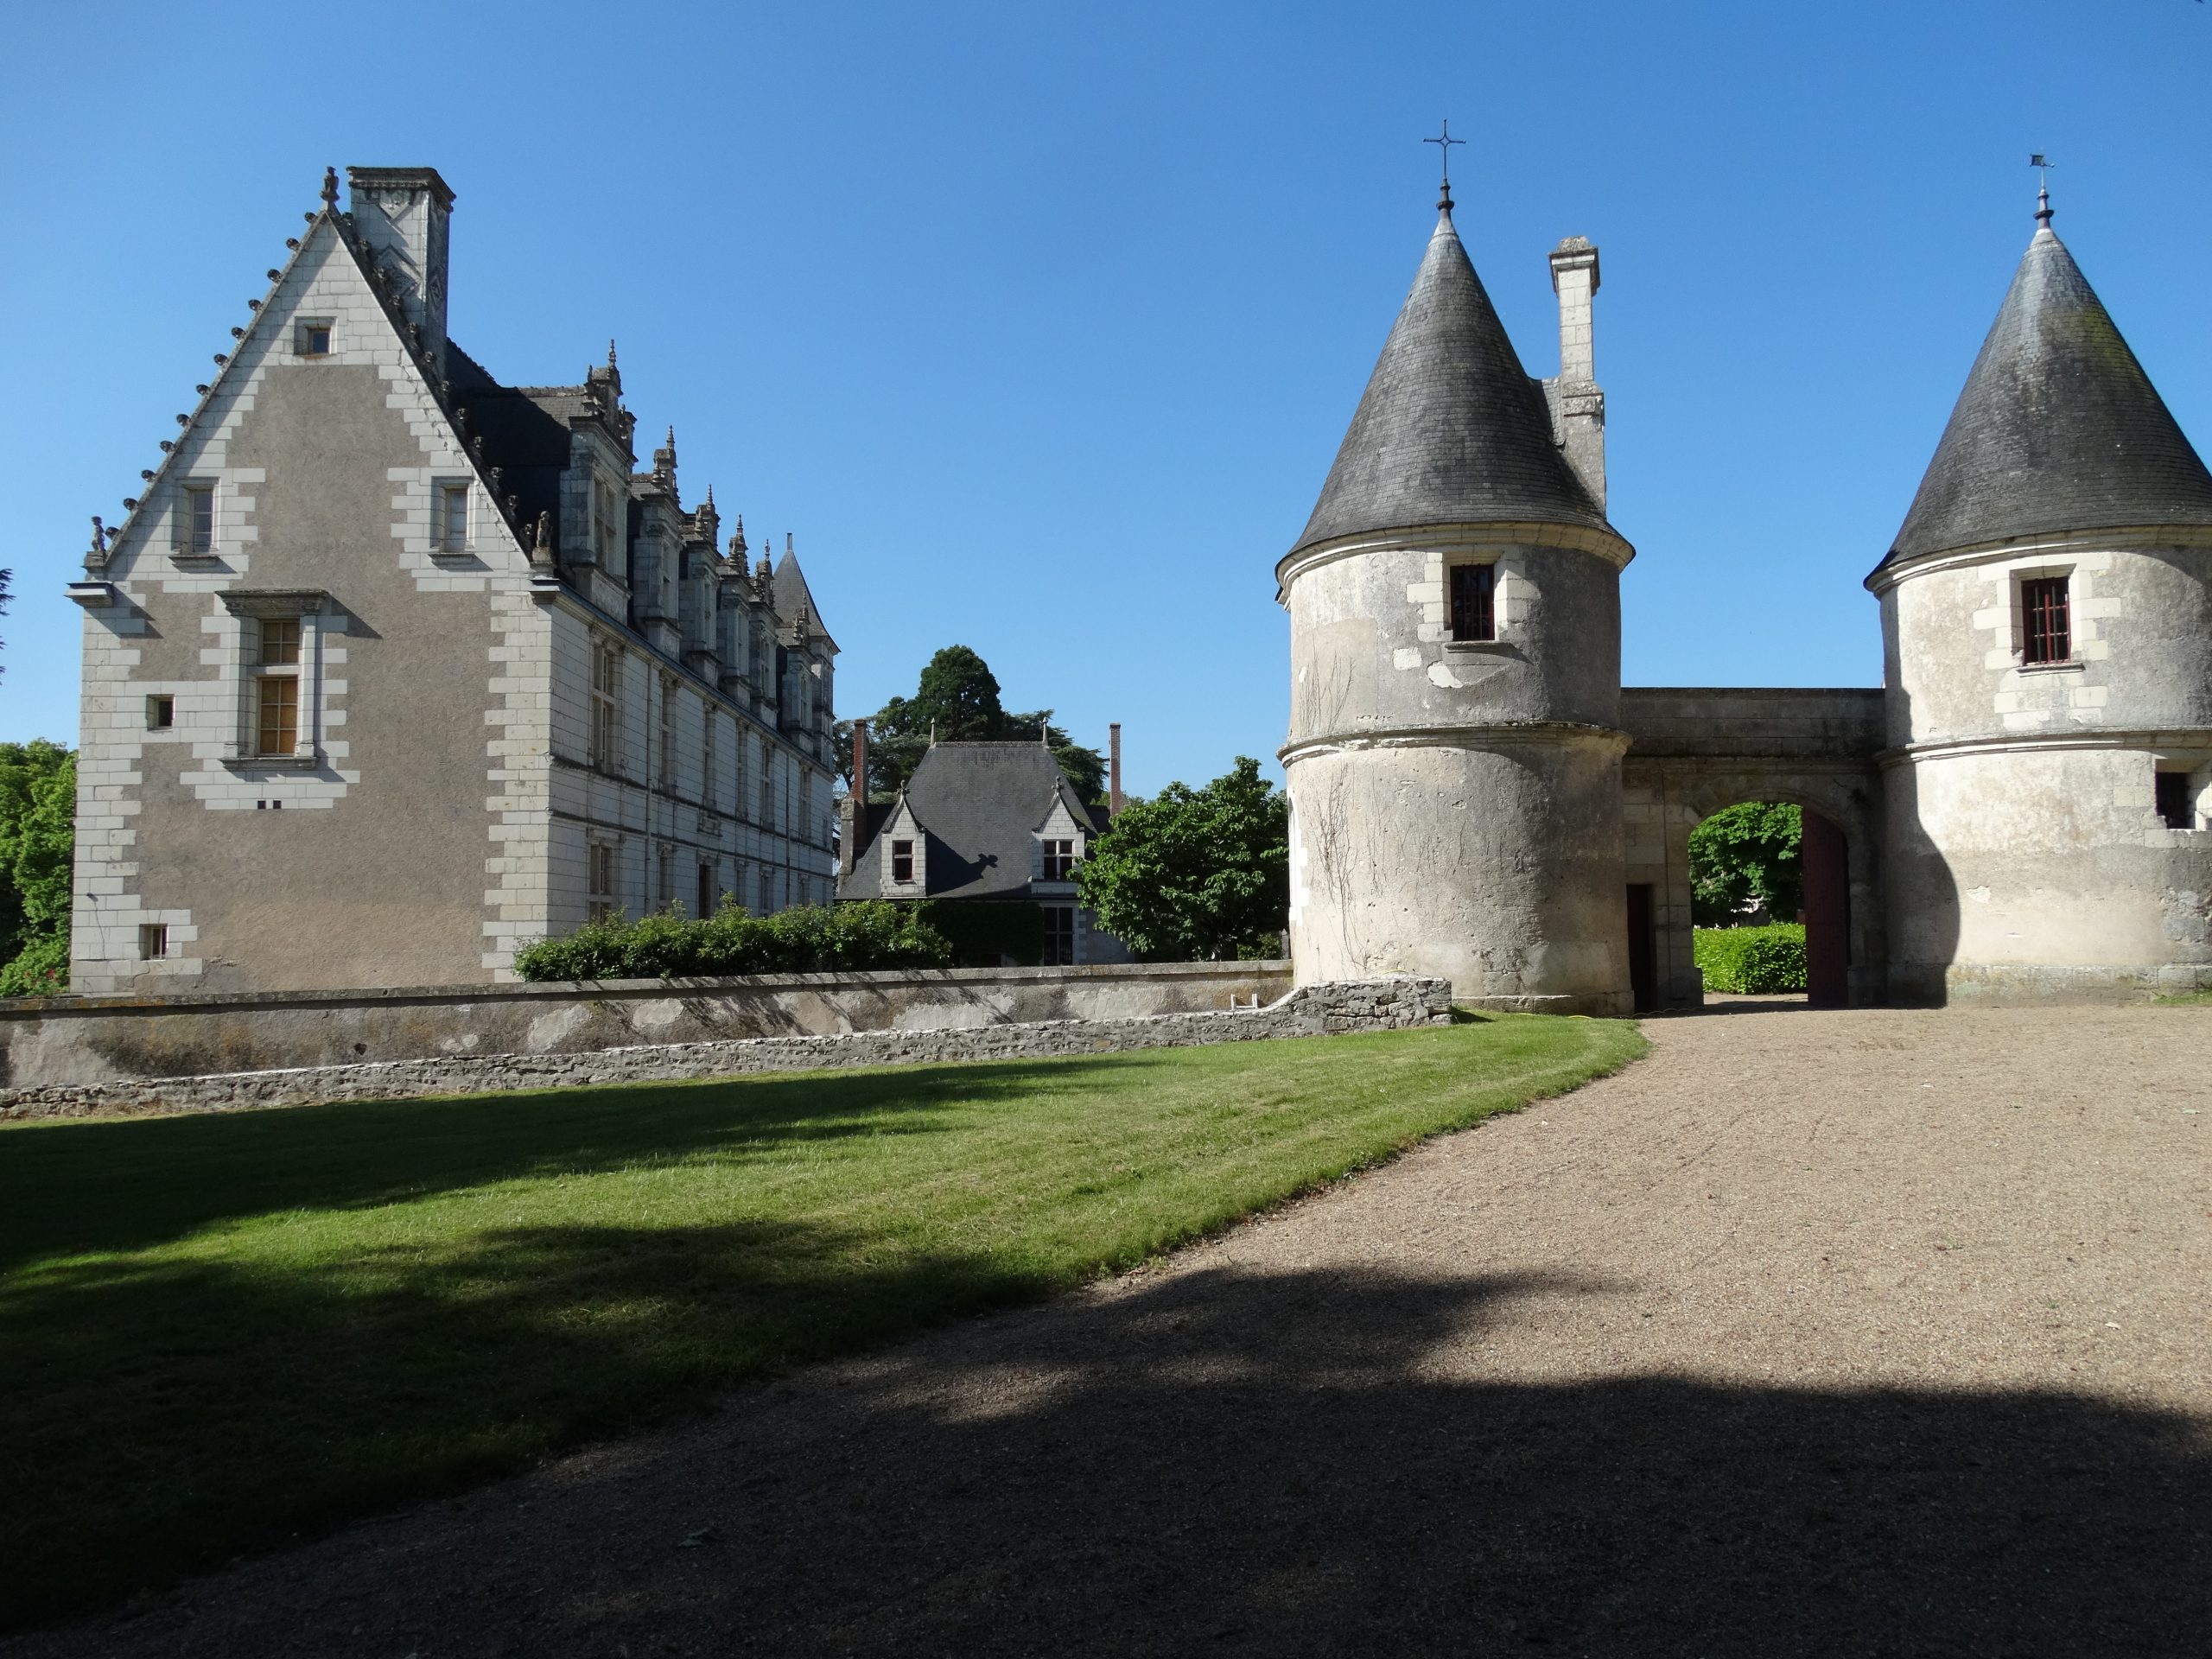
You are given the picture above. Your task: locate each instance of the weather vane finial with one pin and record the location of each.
(1444, 151)
(2042, 189)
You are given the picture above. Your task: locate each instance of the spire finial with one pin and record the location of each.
(610, 353)
(2042, 189)
(330, 189)
(1444, 153)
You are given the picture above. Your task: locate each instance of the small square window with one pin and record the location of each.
(2047, 630)
(160, 714)
(453, 518)
(196, 520)
(315, 337)
(1474, 606)
(153, 941)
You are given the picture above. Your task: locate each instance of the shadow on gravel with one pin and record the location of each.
(1232, 1464)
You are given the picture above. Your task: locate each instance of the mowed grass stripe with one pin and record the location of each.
(218, 1333)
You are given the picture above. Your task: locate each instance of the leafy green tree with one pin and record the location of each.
(38, 809)
(1196, 875)
(1744, 856)
(958, 700)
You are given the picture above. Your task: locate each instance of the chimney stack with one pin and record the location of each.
(402, 214)
(856, 802)
(1115, 799)
(1578, 405)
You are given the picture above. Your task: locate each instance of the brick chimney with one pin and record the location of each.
(1115, 799)
(849, 844)
(402, 214)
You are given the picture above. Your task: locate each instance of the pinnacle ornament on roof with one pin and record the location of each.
(330, 189)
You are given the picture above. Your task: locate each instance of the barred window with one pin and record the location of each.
(2047, 635)
(196, 528)
(1474, 591)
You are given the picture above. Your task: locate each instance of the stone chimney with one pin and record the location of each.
(1115, 799)
(402, 214)
(1577, 404)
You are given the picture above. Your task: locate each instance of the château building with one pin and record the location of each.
(393, 667)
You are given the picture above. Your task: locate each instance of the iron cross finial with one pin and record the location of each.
(1444, 153)
(2042, 189)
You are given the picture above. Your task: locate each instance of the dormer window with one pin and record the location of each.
(1474, 601)
(312, 338)
(902, 862)
(1059, 859)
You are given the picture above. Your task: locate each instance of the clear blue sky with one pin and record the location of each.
(1039, 324)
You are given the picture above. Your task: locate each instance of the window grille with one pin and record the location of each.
(1474, 606)
(2048, 631)
(153, 941)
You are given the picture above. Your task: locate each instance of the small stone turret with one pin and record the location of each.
(1454, 758)
(2047, 634)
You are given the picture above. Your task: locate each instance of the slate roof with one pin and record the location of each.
(979, 806)
(1451, 429)
(788, 591)
(2058, 427)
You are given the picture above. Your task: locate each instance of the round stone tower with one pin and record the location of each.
(2047, 635)
(1454, 760)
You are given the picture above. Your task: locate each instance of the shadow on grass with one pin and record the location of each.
(1288, 1463)
(163, 1415)
(126, 1184)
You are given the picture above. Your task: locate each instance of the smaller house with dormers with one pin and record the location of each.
(994, 831)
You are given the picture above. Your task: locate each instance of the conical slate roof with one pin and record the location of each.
(2058, 427)
(1451, 430)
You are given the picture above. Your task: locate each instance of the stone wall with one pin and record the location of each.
(55, 1041)
(1394, 1004)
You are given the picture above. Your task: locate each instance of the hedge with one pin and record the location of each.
(1752, 961)
(806, 939)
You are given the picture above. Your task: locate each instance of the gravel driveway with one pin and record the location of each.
(1819, 1332)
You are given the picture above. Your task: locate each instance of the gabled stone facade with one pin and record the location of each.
(393, 668)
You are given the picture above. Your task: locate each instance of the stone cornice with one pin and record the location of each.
(1425, 538)
(1519, 733)
(2056, 543)
(2131, 737)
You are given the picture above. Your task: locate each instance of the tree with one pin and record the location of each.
(957, 700)
(1743, 857)
(1196, 873)
(38, 808)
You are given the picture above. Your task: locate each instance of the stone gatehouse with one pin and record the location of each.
(2019, 811)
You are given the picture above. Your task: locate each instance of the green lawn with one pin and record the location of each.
(221, 1332)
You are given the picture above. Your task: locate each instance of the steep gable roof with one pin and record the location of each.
(2058, 427)
(1451, 429)
(255, 339)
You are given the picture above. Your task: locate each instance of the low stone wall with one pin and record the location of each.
(1394, 1004)
(51, 1041)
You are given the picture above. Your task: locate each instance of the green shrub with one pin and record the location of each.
(806, 939)
(1752, 961)
(985, 933)
(40, 969)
